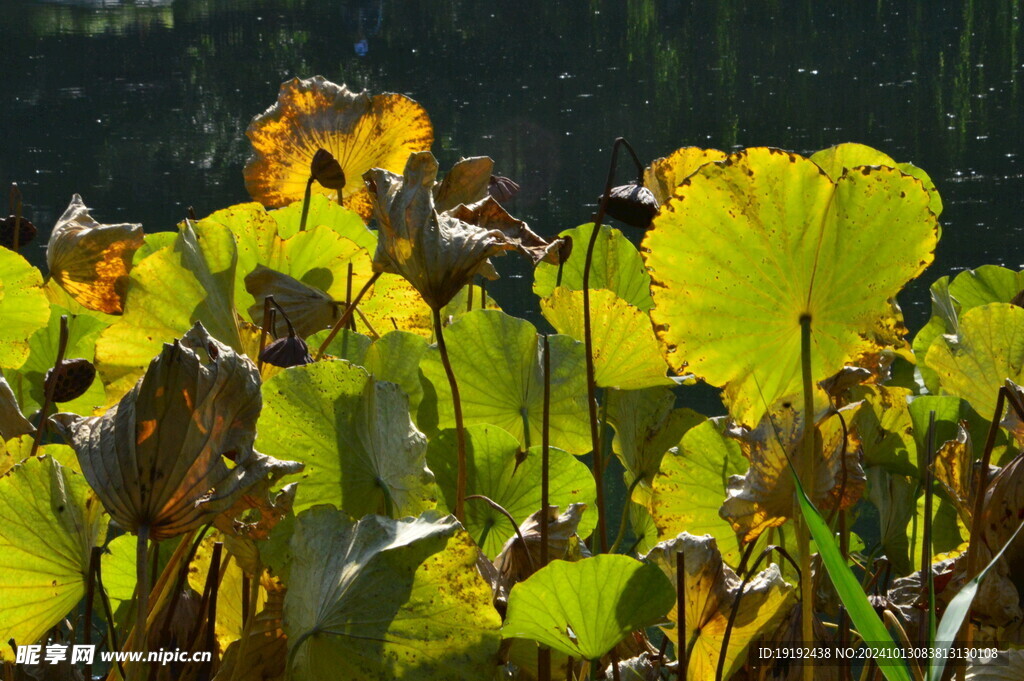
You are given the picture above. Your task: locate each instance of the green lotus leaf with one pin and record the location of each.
(646, 426)
(585, 608)
(749, 246)
(692, 485)
(886, 428)
(893, 496)
(23, 307)
(83, 330)
(324, 212)
(191, 281)
(664, 175)
(626, 351)
(849, 155)
(494, 470)
(987, 350)
(18, 449)
(616, 266)
(347, 345)
(151, 243)
(951, 299)
(387, 600)
(49, 522)
(497, 364)
(712, 589)
(361, 450)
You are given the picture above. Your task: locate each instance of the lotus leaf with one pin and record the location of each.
(626, 351)
(664, 175)
(886, 428)
(952, 298)
(91, 261)
(382, 599)
(711, 592)
(893, 496)
(497, 362)
(23, 307)
(692, 485)
(156, 459)
(494, 470)
(521, 558)
(49, 522)
(12, 422)
(585, 608)
(782, 242)
(361, 132)
(361, 450)
(763, 496)
(467, 182)
(616, 266)
(266, 649)
(191, 281)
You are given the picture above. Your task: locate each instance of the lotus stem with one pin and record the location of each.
(543, 652)
(305, 203)
(16, 208)
(483, 294)
(469, 296)
(268, 323)
(681, 656)
(90, 592)
(369, 327)
(625, 515)
(182, 575)
(807, 473)
(460, 431)
(348, 296)
(142, 585)
(925, 632)
(211, 620)
(62, 347)
(343, 320)
(108, 612)
(615, 665)
(250, 599)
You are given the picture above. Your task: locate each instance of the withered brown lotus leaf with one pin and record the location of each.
(160, 457)
(764, 496)
(26, 232)
(466, 182)
(359, 130)
(12, 422)
(517, 560)
(91, 261)
(954, 469)
(309, 308)
(502, 188)
(489, 214)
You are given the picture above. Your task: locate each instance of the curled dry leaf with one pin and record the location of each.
(466, 182)
(157, 458)
(361, 131)
(439, 253)
(12, 422)
(90, 260)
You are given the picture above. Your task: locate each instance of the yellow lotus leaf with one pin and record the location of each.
(764, 496)
(712, 588)
(954, 469)
(91, 261)
(665, 174)
(361, 131)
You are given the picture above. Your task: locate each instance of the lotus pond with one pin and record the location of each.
(306, 433)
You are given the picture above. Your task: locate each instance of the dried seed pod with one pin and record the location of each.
(502, 188)
(286, 352)
(326, 170)
(70, 380)
(26, 232)
(632, 204)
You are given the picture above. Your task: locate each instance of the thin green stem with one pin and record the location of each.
(460, 431)
(305, 204)
(543, 652)
(142, 601)
(926, 633)
(349, 309)
(625, 515)
(807, 473)
(62, 347)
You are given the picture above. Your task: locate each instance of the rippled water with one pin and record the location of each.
(142, 106)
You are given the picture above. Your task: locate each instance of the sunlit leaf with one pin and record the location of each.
(664, 175)
(49, 522)
(617, 266)
(711, 591)
(494, 470)
(383, 599)
(467, 182)
(497, 363)
(12, 422)
(266, 649)
(893, 495)
(692, 485)
(158, 457)
(23, 307)
(585, 608)
(361, 132)
(361, 450)
(521, 558)
(91, 261)
(886, 428)
(626, 352)
(749, 246)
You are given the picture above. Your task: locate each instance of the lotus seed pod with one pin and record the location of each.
(287, 352)
(26, 232)
(326, 170)
(70, 379)
(632, 204)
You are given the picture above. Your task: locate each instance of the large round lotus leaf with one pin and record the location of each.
(693, 484)
(665, 174)
(494, 470)
(585, 608)
(749, 246)
(23, 307)
(387, 600)
(850, 155)
(324, 212)
(49, 522)
(616, 266)
(361, 450)
(987, 350)
(497, 363)
(191, 281)
(626, 352)
(950, 299)
(712, 589)
(17, 449)
(361, 132)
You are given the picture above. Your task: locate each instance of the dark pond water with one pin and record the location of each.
(142, 106)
